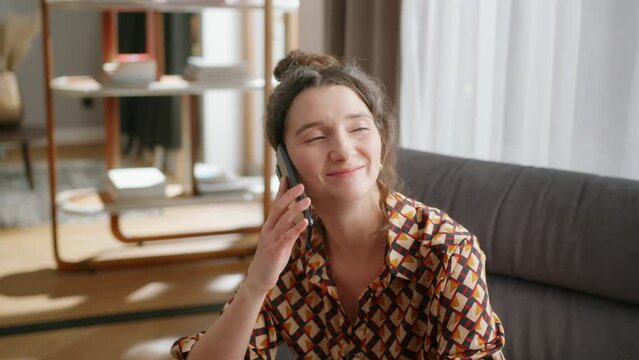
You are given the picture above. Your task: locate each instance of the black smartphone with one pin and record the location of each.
(285, 167)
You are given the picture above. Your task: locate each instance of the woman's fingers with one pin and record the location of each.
(280, 205)
(278, 235)
(288, 219)
(292, 234)
(272, 256)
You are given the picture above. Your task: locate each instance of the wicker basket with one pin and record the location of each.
(10, 100)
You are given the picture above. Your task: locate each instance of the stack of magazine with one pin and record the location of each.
(135, 183)
(199, 69)
(210, 179)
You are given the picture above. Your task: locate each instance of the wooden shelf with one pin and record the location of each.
(169, 5)
(87, 86)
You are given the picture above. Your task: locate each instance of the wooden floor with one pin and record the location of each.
(32, 291)
(143, 340)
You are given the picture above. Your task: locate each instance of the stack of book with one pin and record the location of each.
(198, 69)
(135, 183)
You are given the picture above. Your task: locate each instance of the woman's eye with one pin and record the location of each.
(360, 129)
(315, 138)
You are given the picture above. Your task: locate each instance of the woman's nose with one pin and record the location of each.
(341, 148)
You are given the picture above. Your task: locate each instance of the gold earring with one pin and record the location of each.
(381, 167)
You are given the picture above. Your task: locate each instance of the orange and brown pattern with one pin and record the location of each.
(430, 300)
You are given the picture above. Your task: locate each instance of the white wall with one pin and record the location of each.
(221, 115)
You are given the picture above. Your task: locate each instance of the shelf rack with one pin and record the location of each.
(86, 86)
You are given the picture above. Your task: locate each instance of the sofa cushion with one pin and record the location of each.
(547, 322)
(563, 228)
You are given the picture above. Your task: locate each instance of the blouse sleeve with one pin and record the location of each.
(262, 345)
(467, 327)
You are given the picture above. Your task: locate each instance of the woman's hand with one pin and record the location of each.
(230, 334)
(277, 238)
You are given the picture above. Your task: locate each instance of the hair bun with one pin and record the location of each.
(296, 59)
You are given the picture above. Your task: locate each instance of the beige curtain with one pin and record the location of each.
(368, 31)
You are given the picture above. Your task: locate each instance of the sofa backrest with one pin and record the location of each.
(568, 229)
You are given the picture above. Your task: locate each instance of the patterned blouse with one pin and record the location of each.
(430, 300)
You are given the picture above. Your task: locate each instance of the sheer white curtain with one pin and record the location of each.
(551, 83)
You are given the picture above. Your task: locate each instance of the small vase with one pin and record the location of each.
(10, 100)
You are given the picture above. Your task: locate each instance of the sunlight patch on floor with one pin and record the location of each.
(148, 291)
(36, 303)
(226, 282)
(151, 350)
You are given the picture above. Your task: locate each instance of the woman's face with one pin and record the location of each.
(333, 143)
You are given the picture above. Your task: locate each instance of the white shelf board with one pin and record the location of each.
(168, 5)
(182, 200)
(174, 197)
(87, 86)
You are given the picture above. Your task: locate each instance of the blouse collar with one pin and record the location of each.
(402, 251)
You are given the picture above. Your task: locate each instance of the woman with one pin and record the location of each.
(384, 276)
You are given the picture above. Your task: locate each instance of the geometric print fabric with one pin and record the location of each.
(430, 300)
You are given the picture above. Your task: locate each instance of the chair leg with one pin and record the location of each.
(27, 163)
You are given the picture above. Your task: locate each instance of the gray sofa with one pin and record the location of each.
(562, 249)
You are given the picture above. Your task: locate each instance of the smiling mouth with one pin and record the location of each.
(346, 172)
